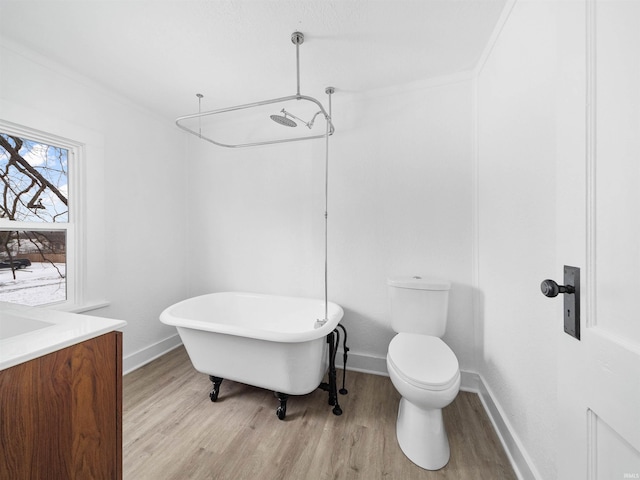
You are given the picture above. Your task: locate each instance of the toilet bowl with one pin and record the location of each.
(425, 372)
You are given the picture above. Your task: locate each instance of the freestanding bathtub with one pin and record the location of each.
(273, 342)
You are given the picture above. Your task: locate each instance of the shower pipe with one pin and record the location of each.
(329, 91)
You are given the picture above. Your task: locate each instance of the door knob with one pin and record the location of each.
(571, 289)
(552, 289)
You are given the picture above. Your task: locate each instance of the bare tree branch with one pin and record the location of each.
(17, 159)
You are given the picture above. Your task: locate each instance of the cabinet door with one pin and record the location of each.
(60, 414)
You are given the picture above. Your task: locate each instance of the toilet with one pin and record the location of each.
(422, 368)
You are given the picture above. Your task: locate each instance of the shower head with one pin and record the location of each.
(283, 120)
(286, 119)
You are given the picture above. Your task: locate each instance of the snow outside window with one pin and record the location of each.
(37, 229)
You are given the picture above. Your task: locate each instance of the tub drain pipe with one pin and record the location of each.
(345, 349)
(332, 386)
(333, 339)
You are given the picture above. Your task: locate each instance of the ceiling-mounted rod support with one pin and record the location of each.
(297, 38)
(200, 97)
(330, 91)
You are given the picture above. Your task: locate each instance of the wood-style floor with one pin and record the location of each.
(172, 430)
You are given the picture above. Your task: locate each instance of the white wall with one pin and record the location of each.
(135, 189)
(400, 204)
(520, 98)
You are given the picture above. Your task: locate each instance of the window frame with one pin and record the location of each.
(74, 227)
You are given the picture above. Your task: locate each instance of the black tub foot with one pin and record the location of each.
(281, 411)
(216, 387)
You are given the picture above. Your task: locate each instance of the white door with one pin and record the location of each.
(599, 231)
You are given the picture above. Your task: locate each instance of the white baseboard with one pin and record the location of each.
(359, 362)
(520, 460)
(140, 358)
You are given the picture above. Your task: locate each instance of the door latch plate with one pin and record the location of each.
(572, 302)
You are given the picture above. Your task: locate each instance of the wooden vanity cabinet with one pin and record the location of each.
(61, 414)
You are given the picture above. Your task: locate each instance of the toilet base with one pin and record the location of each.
(421, 436)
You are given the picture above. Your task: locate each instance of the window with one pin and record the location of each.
(37, 224)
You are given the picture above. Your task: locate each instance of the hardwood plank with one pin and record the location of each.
(173, 431)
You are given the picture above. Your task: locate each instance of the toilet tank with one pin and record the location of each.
(419, 305)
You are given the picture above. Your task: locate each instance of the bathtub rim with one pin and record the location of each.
(335, 315)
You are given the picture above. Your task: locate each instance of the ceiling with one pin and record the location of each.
(161, 53)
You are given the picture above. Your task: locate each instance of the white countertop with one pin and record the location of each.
(30, 332)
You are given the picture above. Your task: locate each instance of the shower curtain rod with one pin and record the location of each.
(331, 128)
(297, 38)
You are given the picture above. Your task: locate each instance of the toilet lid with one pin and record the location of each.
(424, 361)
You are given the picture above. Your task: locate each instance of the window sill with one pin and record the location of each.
(85, 307)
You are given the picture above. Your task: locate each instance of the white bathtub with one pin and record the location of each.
(263, 340)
